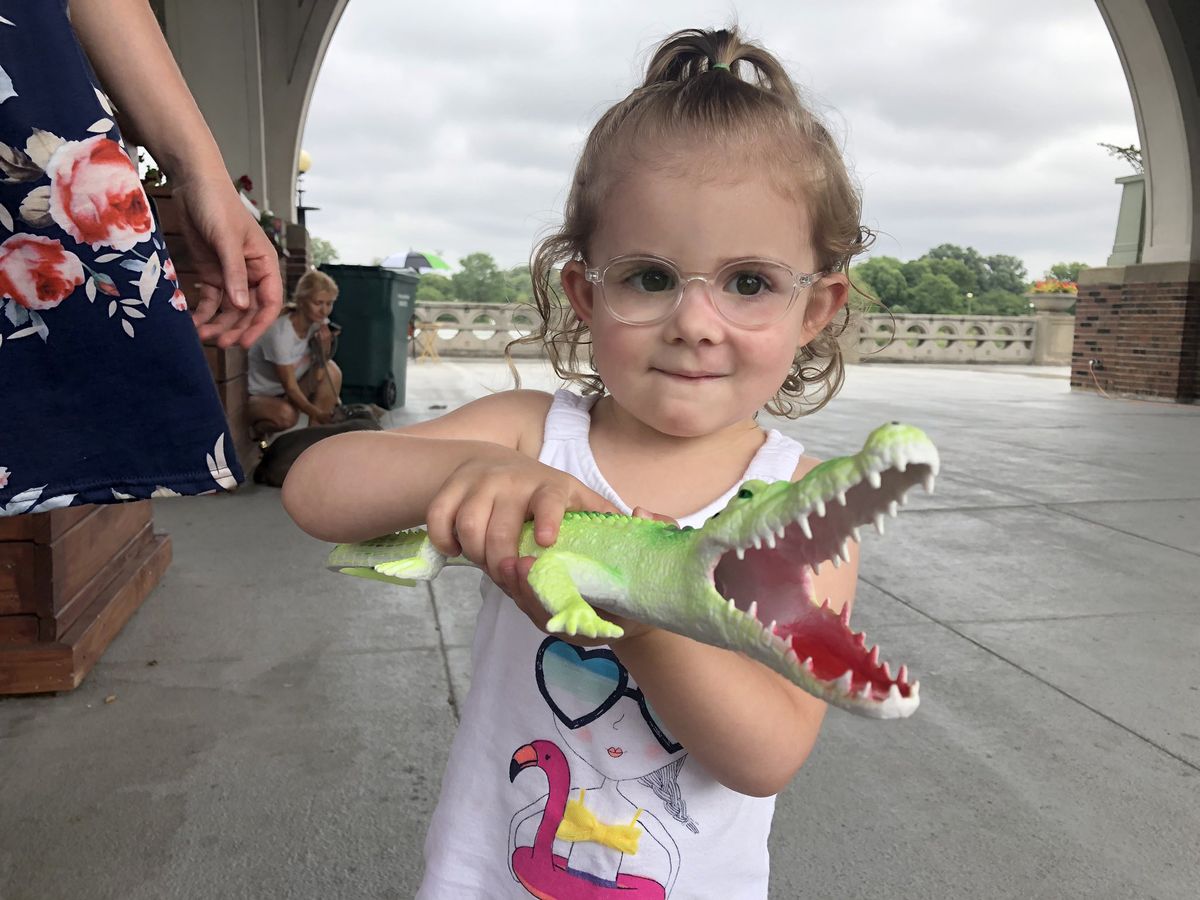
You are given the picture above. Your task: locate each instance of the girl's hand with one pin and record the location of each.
(514, 581)
(480, 508)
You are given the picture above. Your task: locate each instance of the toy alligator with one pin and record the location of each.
(742, 581)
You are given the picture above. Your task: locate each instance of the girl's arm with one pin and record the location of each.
(471, 476)
(748, 726)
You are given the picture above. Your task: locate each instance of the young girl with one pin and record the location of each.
(706, 236)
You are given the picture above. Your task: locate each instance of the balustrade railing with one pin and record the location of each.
(483, 329)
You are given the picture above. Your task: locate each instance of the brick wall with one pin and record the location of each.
(1141, 324)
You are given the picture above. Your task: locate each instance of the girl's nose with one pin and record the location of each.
(696, 317)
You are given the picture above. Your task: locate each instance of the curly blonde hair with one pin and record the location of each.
(695, 85)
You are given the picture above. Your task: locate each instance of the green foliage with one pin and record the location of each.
(321, 251)
(434, 289)
(1000, 303)
(479, 281)
(938, 283)
(1066, 271)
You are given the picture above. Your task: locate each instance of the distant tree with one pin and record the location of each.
(434, 289)
(1131, 154)
(883, 277)
(1000, 303)
(968, 256)
(479, 281)
(321, 251)
(1066, 271)
(518, 284)
(936, 295)
(1005, 273)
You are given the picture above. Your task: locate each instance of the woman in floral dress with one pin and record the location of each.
(107, 396)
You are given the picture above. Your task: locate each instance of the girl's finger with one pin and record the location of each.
(547, 506)
(440, 525)
(471, 524)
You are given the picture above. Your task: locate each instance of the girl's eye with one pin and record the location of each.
(652, 281)
(747, 284)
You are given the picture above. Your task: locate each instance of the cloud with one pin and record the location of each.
(455, 126)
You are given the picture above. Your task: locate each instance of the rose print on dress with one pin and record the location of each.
(96, 195)
(37, 272)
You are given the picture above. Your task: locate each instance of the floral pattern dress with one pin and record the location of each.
(107, 395)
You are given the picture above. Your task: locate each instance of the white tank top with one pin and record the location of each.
(551, 731)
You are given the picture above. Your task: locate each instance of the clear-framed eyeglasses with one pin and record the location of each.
(748, 293)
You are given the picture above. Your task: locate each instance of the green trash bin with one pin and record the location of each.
(374, 307)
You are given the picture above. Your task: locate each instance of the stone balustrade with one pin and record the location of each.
(483, 329)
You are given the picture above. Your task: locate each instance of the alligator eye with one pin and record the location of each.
(745, 494)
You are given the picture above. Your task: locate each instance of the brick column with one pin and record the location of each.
(1140, 324)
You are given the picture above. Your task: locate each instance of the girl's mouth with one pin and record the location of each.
(615, 752)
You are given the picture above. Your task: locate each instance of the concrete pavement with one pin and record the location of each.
(280, 732)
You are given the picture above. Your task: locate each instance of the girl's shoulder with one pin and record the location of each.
(805, 465)
(513, 419)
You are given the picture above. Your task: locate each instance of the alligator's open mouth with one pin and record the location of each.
(769, 582)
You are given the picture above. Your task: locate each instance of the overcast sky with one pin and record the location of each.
(454, 126)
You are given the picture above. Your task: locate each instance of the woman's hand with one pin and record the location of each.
(240, 287)
(480, 508)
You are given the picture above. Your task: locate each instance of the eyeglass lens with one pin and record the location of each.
(745, 292)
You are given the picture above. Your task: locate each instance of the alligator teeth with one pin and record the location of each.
(914, 691)
(874, 480)
(732, 605)
(873, 657)
(771, 539)
(752, 612)
(771, 628)
(808, 665)
(861, 640)
(844, 550)
(816, 567)
(893, 508)
(846, 682)
(928, 483)
(825, 605)
(893, 694)
(887, 671)
(901, 464)
(804, 529)
(903, 676)
(836, 560)
(819, 508)
(879, 519)
(757, 542)
(741, 552)
(865, 692)
(841, 498)
(844, 616)
(857, 534)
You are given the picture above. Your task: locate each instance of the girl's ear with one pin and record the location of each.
(578, 290)
(827, 298)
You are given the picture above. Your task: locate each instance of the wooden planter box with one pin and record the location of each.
(69, 580)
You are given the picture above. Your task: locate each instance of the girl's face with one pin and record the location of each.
(695, 373)
(316, 307)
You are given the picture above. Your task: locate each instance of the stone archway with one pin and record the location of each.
(1138, 320)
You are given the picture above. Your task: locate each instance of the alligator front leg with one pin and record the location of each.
(559, 576)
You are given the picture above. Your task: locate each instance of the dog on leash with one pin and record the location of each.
(282, 452)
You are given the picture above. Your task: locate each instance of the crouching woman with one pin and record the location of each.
(290, 370)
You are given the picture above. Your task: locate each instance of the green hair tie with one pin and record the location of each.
(724, 66)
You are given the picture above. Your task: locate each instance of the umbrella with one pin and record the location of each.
(417, 260)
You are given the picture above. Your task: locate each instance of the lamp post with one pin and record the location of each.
(303, 164)
(970, 297)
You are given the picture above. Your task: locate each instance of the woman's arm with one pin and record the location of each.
(295, 394)
(126, 48)
(240, 289)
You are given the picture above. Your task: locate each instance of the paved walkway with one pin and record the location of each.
(280, 732)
